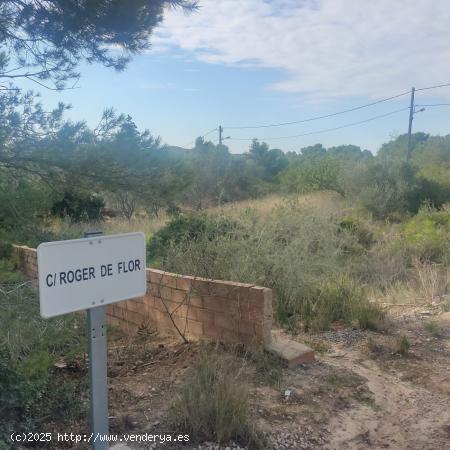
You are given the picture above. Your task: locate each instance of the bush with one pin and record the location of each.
(343, 300)
(79, 206)
(214, 402)
(5, 250)
(388, 189)
(29, 346)
(427, 235)
(303, 256)
(363, 235)
(188, 228)
(313, 173)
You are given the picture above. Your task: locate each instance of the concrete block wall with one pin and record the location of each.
(198, 308)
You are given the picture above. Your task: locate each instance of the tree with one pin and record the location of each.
(270, 161)
(44, 41)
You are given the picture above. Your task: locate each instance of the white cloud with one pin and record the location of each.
(326, 48)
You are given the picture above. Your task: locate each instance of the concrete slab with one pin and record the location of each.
(291, 353)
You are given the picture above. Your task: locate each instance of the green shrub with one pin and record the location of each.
(79, 206)
(303, 256)
(7, 273)
(313, 173)
(30, 387)
(213, 404)
(188, 228)
(340, 299)
(427, 235)
(388, 189)
(362, 233)
(5, 250)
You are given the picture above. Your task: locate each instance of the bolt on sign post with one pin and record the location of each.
(88, 274)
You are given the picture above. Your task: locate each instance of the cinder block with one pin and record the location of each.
(200, 286)
(225, 321)
(210, 331)
(194, 328)
(118, 312)
(179, 296)
(164, 278)
(200, 314)
(184, 282)
(217, 304)
(195, 300)
(132, 305)
(291, 353)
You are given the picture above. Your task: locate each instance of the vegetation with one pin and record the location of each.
(214, 402)
(31, 386)
(378, 225)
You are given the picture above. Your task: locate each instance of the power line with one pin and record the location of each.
(433, 87)
(202, 136)
(356, 108)
(434, 104)
(326, 130)
(220, 128)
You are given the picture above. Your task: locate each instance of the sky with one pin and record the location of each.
(256, 62)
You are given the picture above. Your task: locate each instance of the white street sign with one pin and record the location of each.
(86, 273)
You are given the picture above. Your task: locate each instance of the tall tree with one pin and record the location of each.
(45, 40)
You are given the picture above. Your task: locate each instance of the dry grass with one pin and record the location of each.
(432, 280)
(325, 201)
(66, 229)
(426, 284)
(214, 401)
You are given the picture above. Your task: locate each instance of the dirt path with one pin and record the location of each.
(351, 398)
(406, 415)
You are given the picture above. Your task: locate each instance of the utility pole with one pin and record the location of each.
(411, 116)
(220, 134)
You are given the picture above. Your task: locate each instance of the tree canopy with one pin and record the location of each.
(45, 40)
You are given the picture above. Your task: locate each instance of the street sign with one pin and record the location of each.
(89, 274)
(86, 273)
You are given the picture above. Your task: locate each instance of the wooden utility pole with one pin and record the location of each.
(220, 134)
(411, 116)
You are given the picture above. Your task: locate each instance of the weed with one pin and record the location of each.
(373, 346)
(401, 345)
(369, 316)
(268, 369)
(318, 345)
(214, 402)
(433, 328)
(301, 255)
(30, 388)
(428, 235)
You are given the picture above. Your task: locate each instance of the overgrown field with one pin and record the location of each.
(325, 260)
(328, 261)
(33, 353)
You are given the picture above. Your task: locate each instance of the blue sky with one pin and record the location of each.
(257, 62)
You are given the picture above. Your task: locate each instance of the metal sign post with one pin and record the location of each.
(88, 274)
(98, 384)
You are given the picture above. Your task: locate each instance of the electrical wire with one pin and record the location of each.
(434, 104)
(202, 136)
(331, 115)
(433, 87)
(356, 108)
(326, 130)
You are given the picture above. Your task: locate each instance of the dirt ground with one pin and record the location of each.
(366, 390)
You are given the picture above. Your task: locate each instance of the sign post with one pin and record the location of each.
(98, 369)
(88, 274)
